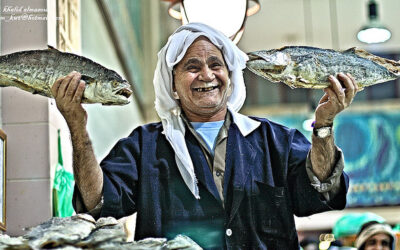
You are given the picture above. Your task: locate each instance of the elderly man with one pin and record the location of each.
(375, 236)
(206, 171)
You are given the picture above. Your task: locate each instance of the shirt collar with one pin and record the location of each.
(245, 124)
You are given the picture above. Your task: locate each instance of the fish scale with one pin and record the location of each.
(37, 70)
(310, 67)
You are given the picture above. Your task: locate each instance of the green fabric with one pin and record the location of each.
(63, 188)
(350, 224)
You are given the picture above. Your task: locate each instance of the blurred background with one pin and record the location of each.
(125, 35)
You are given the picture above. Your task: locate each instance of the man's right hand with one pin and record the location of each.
(68, 93)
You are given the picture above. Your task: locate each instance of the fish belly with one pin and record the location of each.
(32, 83)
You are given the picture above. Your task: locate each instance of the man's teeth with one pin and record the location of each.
(205, 89)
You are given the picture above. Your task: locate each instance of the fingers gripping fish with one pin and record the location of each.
(309, 67)
(36, 71)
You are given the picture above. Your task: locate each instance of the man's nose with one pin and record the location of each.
(206, 74)
(379, 246)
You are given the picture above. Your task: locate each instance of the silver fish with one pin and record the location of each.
(179, 242)
(36, 71)
(59, 231)
(7, 242)
(107, 234)
(82, 231)
(309, 67)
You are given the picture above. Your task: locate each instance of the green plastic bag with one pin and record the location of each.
(63, 188)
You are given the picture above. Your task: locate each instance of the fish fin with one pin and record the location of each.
(49, 47)
(87, 78)
(28, 88)
(302, 80)
(351, 50)
(8, 80)
(5, 81)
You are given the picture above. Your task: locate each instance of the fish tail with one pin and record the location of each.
(51, 48)
(391, 65)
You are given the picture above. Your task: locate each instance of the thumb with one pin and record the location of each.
(324, 98)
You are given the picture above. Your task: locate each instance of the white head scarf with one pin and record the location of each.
(372, 230)
(167, 107)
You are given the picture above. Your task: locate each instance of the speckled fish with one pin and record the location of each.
(36, 71)
(59, 231)
(309, 67)
(82, 231)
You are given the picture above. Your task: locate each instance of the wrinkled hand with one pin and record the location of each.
(335, 99)
(68, 93)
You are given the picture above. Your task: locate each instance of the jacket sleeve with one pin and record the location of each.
(331, 186)
(306, 200)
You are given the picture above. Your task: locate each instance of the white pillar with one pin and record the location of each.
(25, 119)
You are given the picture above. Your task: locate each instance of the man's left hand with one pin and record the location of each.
(335, 99)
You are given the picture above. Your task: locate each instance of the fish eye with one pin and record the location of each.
(115, 84)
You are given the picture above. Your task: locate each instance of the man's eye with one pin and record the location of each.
(215, 66)
(371, 242)
(192, 68)
(385, 243)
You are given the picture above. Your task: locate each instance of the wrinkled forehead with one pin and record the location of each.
(203, 41)
(202, 47)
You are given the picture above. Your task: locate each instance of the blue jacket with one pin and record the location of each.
(265, 183)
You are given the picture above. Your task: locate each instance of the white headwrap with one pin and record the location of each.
(372, 230)
(167, 107)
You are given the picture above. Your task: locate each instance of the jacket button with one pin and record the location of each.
(228, 232)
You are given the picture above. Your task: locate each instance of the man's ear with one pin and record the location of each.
(230, 88)
(174, 93)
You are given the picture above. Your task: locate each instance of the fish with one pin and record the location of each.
(82, 231)
(36, 71)
(7, 242)
(182, 242)
(179, 242)
(107, 234)
(310, 67)
(60, 231)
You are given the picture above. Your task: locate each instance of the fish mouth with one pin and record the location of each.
(257, 62)
(125, 92)
(259, 55)
(253, 56)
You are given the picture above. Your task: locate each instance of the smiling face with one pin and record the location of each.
(201, 81)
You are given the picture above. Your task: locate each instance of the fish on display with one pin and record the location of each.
(59, 231)
(82, 231)
(309, 67)
(36, 71)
